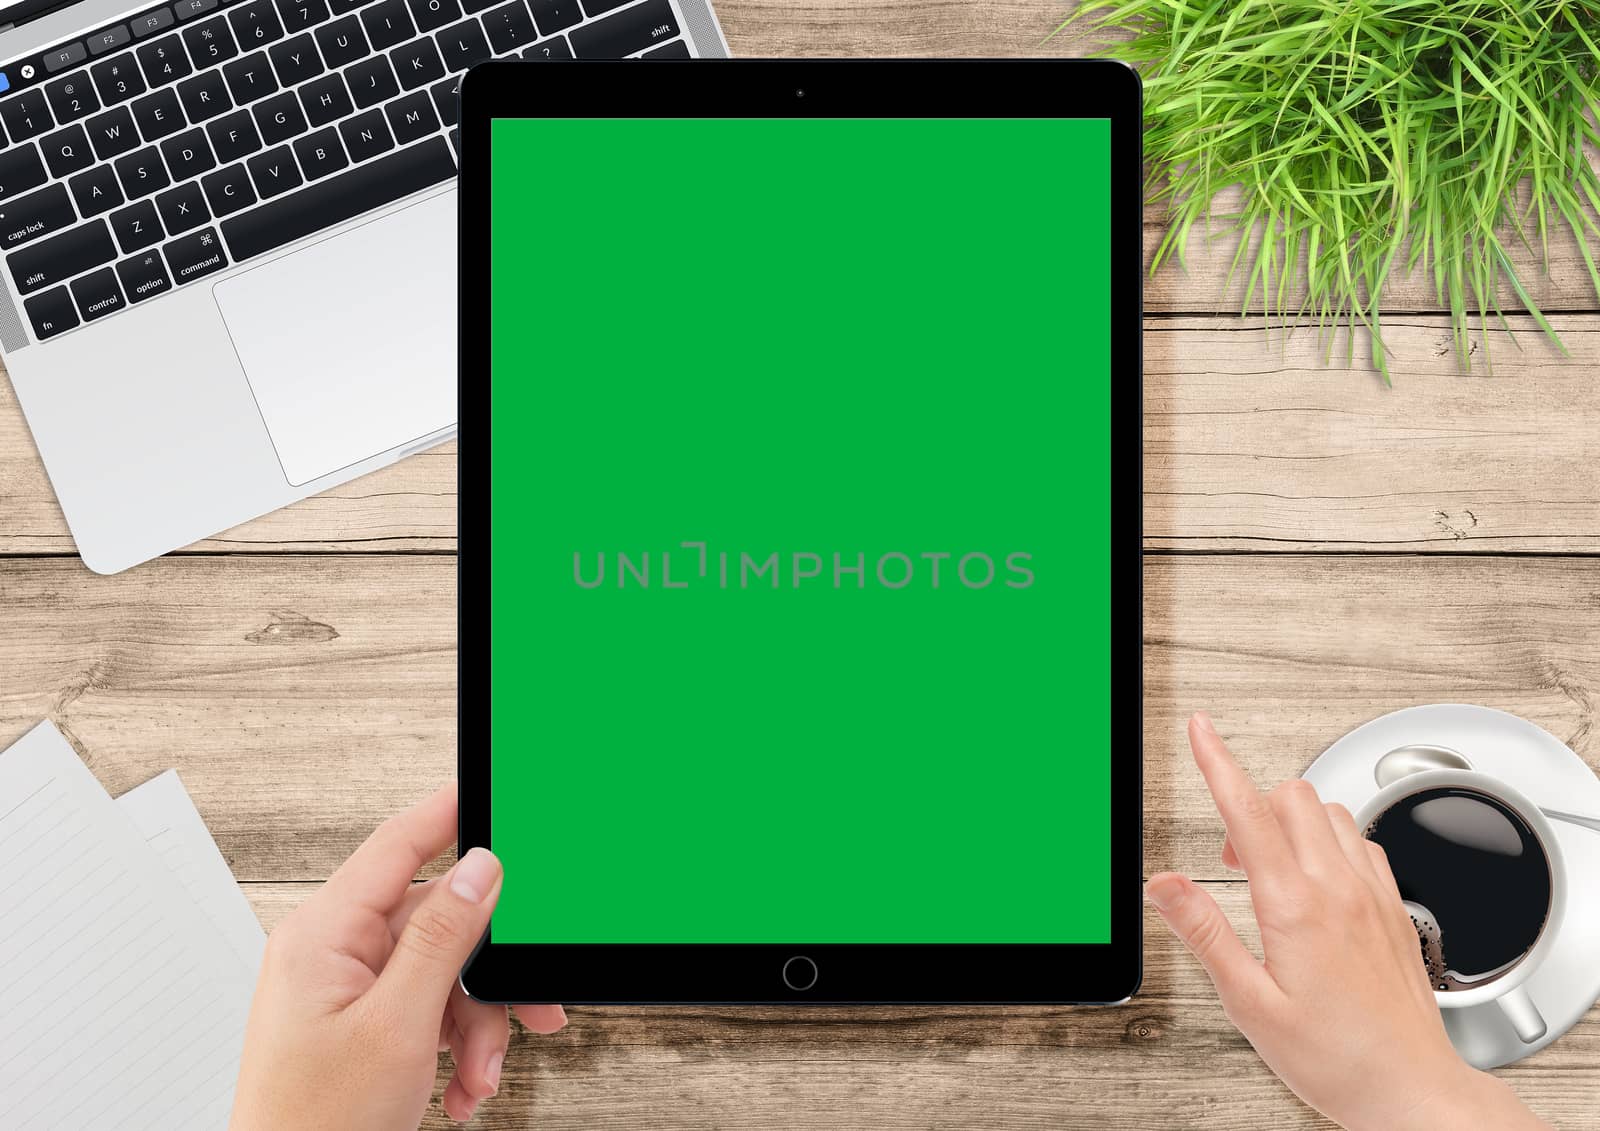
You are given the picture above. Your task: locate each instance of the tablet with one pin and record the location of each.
(800, 529)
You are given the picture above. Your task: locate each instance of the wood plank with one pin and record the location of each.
(1251, 442)
(305, 698)
(300, 697)
(1167, 1059)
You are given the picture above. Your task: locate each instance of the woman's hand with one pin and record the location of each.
(359, 991)
(1340, 1006)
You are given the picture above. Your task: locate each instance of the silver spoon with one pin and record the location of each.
(1403, 761)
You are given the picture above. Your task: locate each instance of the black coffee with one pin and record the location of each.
(1480, 874)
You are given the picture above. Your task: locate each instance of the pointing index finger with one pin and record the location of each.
(1253, 830)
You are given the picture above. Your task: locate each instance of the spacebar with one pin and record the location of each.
(337, 199)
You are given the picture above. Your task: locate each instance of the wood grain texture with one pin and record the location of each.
(305, 698)
(1252, 441)
(1167, 1059)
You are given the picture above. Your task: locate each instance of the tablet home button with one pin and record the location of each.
(799, 973)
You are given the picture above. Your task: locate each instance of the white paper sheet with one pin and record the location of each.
(122, 1007)
(164, 813)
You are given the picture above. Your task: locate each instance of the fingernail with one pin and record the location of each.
(474, 877)
(492, 1072)
(1166, 892)
(1203, 721)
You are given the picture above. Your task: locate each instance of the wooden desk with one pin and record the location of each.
(1322, 550)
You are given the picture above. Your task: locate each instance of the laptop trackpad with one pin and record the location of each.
(350, 344)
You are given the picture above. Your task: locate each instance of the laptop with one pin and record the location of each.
(229, 238)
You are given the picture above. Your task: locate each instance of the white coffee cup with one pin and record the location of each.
(1508, 990)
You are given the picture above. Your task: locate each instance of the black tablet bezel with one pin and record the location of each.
(847, 973)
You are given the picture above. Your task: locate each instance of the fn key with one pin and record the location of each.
(51, 313)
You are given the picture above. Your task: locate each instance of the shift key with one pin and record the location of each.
(42, 213)
(626, 32)
(61, 257)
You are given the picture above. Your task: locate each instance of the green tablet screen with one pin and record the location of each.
(800, 530)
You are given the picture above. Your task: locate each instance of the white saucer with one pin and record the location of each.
(1550, 775)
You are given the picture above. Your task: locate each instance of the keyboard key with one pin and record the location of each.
(158, 114)
(188, 154)
(98, 295)
(144, 276)
(67, 151)
(556, 48)
(112, 133)
(26, 115)
(60, 257)
(325, 100)
(462, 45)
(71, 97)
(64, 56)
(255, 24)
(164, 60)
(321, 205)
(418, 63)
(412, 117)
(27, 218)
(372, 81)
(96, 191)
(320, 154)
(142, 173)
(630, 30)
(387, 23)
(250, 78)
(455, 141)
(340, 7)
(52, 313)
(296, 60)
(182, 208)
(431, 14)
(677, 49)
(274, 172)
(447, 99)
(149, 23)
(509, 26)
(228, 190)
(20, 170)
(210, 42)
(204, 96)
(189, 9)
(109, 40)
(476, 5)
(280, 118)
(136, 227)
(301, 15)
(342, 42)
(234, 137)
(600, 7)
(117, 78)
(195, 256)
(555, 15)
(366, 135)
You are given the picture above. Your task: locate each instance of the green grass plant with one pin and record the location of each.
(1370, 138)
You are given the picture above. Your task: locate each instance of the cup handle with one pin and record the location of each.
(1523, 1014)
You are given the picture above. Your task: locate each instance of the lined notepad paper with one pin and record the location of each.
(125, 968)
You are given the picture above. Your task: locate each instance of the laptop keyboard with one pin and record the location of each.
(203, 133)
